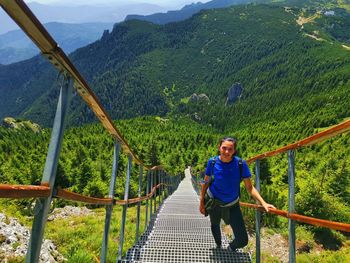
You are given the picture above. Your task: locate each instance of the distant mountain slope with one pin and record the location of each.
(187, 11)
(78, 14)
(145, 69)
(16, 46)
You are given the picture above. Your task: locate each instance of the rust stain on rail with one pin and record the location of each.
(328, 133)
(304, 219)
(23, 191)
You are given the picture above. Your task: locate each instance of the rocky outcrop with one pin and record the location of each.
(68, 211)
(234, 93)
(196, 117)
(12, 123)
(199, 98)
(14, 239)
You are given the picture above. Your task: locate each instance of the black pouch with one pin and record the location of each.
(209, 204)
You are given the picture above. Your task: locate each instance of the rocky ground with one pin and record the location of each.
(14, 237)
(275, 245)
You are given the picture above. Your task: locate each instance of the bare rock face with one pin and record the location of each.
(68, 211)
(194, 97)
(14, 239)
(14, 124)
(199, 98)
(234, 93)
(203, 97)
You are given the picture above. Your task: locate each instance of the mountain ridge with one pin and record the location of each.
(138, 61)
(187, 11)
(15, 46)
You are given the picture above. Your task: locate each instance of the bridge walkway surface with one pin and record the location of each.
(179, 233)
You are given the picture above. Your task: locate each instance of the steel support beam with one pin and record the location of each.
(291, 205)
(257, 212)
(126, 197)
(151, 199)
(42, 205)
(139, 205)
(147, 192)
(155, 192)
(109, 208)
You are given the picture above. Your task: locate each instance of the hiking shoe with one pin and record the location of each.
(229, 248)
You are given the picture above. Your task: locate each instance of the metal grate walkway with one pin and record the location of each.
(179, 233)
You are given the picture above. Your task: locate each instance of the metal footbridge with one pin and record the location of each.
(179, 233)
(176, 231)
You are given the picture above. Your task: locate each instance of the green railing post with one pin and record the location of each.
(126, 197)
(109, 208)
(291, 205)
(42, 205)
(147, 192)
(257, 212)
(139, 205)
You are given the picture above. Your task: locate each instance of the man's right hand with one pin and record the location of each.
(202, 208)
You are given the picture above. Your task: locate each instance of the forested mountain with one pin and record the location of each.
(16, 46)
(187, 11)
(292, 66)
(141, 68)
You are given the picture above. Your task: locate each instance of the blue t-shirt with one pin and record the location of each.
(225, 186)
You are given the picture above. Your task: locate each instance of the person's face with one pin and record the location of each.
(227, 149)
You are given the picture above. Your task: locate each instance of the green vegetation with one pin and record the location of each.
(153, 67)
(79, 239)
(295, 83)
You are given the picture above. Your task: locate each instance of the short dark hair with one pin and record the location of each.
(229, 139)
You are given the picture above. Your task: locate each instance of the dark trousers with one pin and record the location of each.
(236, 222)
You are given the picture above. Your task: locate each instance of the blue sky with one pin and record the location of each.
(166, 3)
(120, 7)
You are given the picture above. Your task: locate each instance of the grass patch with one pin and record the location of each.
(79, 239)
(327, 256)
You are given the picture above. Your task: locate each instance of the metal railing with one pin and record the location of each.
(157, 178)
(290, 214)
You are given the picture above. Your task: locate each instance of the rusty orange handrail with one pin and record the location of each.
(23, 191)
(32, 191)
(300, 218)
(304, 219)
(328, 133)
(139, 199)
(68, 195)
(24, 17)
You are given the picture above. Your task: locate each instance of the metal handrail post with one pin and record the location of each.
(109, 208)
(42, 205)
(139, 205)
(155, 192)
(291, 205)
(147, 192)
(257, 212)
(166, 185)
(126, 196)
(151, 199)
(159, 189)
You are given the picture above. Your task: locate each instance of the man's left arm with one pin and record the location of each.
(255, 194)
